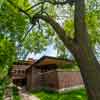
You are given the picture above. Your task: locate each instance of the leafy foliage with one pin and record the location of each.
(16, 24)
(3, 84)
(7, 55)
(13, 24)
(93, 23)
(69, 28)
(16, 95)
(35, 42)
(1, 2)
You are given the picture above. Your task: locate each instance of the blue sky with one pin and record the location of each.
(50, 51)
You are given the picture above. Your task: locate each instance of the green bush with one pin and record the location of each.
(16, 95)
(3, 83)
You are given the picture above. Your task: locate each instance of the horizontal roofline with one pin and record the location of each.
(41, 59)
(50, 57)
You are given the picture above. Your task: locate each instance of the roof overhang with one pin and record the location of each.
(47, 60)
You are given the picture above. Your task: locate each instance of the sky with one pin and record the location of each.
(50, 51)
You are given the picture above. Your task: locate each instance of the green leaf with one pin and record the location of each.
(1, 2)
(20, 3)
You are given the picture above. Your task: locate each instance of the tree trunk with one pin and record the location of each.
(89, 67)
(90, 70)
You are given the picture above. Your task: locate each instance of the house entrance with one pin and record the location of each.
(20, 82)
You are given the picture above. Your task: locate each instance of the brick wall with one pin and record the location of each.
(32, 79)
(51, 80)
(59, 79)
(69, 79)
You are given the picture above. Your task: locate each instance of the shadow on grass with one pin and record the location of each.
(79, 94)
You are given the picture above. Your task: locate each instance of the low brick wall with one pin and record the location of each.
(61, 79)
(56, 80)
(51, 80)
(69, 79)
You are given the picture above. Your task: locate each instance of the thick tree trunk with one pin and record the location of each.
(90, 70)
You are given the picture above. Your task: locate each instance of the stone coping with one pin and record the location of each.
(62, 90)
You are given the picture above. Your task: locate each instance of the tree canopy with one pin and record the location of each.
(16, 17)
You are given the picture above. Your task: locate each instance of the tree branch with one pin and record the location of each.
(53, 3)
(27, 33)
(59, 30)
(21, 10)
(34, 6)
(60, 2)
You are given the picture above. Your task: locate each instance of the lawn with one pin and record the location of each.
(73, 95)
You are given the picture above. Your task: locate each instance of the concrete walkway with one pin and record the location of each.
(26, 96)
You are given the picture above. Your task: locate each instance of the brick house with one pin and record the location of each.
(47, 73)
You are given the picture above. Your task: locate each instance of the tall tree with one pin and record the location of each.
(78, 44)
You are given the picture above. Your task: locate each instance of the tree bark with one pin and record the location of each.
(90, 70)
(89, 66)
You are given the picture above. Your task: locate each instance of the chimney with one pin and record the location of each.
(31, 61)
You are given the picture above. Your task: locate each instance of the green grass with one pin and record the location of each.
(73, 95)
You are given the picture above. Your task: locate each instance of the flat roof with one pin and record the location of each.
(45, 60)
